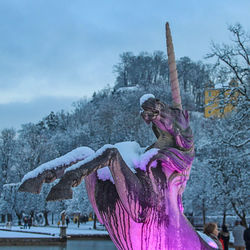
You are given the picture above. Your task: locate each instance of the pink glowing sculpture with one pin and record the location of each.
(140, 201)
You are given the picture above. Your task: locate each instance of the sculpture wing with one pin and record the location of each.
(75, 174)
(128, 186)
(32, 182)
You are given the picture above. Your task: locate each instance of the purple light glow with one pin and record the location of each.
(143, 210)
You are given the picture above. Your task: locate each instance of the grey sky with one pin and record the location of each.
(53, 52)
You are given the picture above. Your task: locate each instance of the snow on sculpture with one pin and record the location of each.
(135, 192)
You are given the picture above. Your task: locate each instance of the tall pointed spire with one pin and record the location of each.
(176, 97)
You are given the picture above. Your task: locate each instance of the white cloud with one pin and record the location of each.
(18, 113)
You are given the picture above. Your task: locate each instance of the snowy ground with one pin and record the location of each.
(51, 231)
(7, 234)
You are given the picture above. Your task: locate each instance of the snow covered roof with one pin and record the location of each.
(221, 85)
(125, 89)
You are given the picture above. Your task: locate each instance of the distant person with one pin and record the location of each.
(85, 218)
(9, 224)
(211, 230)
(58, 223)
(238, 233)
(247, 237)
(63, 215)
(224, 237)
(67, 221)
(25, 221)
(30, 222)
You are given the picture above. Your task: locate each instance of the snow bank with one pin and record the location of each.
(131, 152)
(104, 174)
(90, 157)
(134, 157)
(145, 97)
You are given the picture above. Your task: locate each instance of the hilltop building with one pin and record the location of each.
(220, 99)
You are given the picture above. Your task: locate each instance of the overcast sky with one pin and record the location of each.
(53, 52)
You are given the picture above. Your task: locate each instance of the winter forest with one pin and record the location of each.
(219, 181)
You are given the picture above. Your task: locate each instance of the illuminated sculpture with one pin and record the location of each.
(141, 206)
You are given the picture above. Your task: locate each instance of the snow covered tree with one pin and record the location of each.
(193, 77)
(233, 59)
(143, 70)
(79, 203)
(7, 149)
(34, 146)
(12, 201)
(51, 121)
(229, 165)
(198, 195)
(230, 136)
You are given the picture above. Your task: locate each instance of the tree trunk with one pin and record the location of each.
(224, 217)
(242, 216)
(203, 212)
(32, 213)
(45, 214)
(19, 216)
(94, 220)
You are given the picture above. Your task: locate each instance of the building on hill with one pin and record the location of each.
(220, 99)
